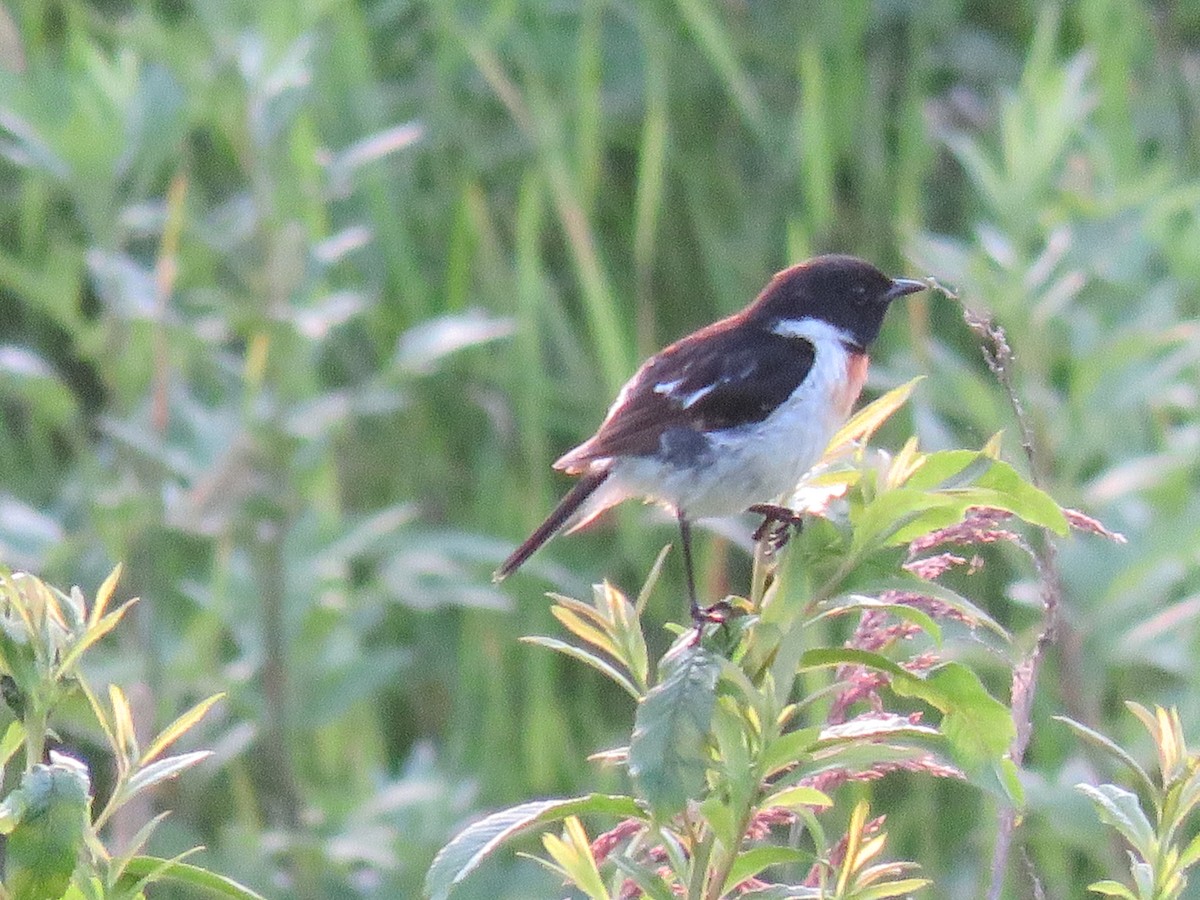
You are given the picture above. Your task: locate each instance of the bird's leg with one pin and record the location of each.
(685, 539)
(701, 615)
(777, 524)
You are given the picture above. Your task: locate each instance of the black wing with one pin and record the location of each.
(719, 378)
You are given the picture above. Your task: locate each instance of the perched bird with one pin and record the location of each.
(733, 415)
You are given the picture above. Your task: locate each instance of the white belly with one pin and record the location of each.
(757, 463)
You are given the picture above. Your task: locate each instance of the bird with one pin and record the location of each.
(731, 417)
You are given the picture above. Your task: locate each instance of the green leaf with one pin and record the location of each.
(826, 657)
(785, 892)
(668, 752)
(652, 884)
(899, 515)
(165, 870)
(472, 845)
(881, 520)
(178, 728)
(799, 795)
(1112, 749)
(1021, 498)
(648, 585)
(728, 729)
(978, 726)
(1111, 889)
(626, 630)
(787, 749)
(160, 771)
(901, 888)
(584, 656)
(948, 469)
(750, 862)
(1120, 809)
(912, 584)
(1009, 777)
(586, 632)
(95, 631)
(14, 737)
(901, 611)
(573, 853)
(104, 594)
(43, 848)
(867, 420)
(1190, 855)
(719, 816)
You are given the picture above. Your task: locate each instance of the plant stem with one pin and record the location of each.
(700, 857)
(999, 357)
(721, 870)
(35, 735)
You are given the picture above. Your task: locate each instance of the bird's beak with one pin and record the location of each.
(902, 287)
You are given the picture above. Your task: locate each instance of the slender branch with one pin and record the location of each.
(999, 358)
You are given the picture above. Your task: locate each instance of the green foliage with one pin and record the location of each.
(47, 815)
(667, 748)
(54, 845)
(299, 301)
(735, 737)
(1159, 857)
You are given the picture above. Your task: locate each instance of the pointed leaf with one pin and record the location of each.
(945, 469)
(95, 631)
(104, 595)
(584, 656)
(573, 852)
(585, 632)
(902, 888)
(178, 728)
(192, 876)
(643, 596)
(165, 768)
(1190, 855)
(914, 585)
(867, 420)
(750, 862)
(854, 836)
(1112, 749)
(1112, 889)
(901, 511)
(1120, 809)
(979, 727)
(668, 754)
(652, 884)
(475, 843)
(14, 737)
(800, 795)
(1021, 498)
(787, 749)
(123, 723)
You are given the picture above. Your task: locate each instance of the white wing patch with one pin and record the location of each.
(686, 401)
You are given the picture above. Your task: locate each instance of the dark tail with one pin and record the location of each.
(554, 522)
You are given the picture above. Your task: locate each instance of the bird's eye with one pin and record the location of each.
(859, 294)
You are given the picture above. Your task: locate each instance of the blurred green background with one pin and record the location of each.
(298, 302)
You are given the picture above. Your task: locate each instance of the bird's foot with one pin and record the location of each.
(717, 614)
(777, 526)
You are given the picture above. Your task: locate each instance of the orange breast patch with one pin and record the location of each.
(856, 377)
